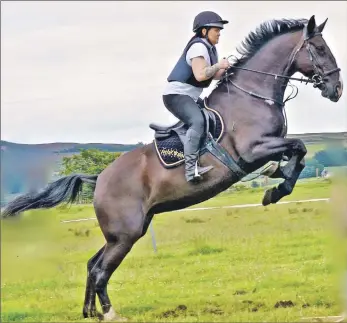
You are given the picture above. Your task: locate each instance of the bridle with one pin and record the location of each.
(317, 79)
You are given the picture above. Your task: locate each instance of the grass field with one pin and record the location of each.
(218, 265)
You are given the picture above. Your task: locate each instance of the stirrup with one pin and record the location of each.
(198, 171)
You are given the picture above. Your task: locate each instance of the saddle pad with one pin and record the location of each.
(170, 150)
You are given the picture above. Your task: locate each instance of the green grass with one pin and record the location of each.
(218, 265)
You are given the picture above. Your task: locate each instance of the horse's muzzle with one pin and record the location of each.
(339, 87)
(336, 92)
(332, 91)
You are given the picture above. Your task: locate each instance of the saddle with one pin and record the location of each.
(169, 140)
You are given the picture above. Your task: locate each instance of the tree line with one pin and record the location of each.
(88, 161)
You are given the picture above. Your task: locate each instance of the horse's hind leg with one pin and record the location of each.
(89, 308)
(122, 228)
(114, 254)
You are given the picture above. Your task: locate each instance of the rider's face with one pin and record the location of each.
(213, 35)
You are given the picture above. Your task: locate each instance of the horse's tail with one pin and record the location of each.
(65, 189)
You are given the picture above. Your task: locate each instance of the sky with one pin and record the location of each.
(94, 71)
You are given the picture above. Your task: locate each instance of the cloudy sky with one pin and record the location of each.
(94, 71)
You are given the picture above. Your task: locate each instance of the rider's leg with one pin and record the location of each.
(187, 110)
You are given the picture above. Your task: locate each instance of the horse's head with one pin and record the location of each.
(315, 60)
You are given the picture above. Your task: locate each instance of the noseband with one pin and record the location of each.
(316, 79)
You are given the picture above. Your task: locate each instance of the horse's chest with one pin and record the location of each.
(273, 121)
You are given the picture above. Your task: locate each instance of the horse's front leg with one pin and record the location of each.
(289, 172)
(273, 195)
(270, 148)
(276, 170)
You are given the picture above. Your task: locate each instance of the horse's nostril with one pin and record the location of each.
(338, 89)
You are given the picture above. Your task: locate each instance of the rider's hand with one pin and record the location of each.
(224, 63)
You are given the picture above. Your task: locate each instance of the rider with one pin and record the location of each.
(194, 71)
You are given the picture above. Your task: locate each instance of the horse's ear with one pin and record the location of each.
(321, 26)
(310, 28)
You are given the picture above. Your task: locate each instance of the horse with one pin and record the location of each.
(245, 129)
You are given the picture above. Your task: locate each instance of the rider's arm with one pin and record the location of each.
(202, 71)
(197, 57)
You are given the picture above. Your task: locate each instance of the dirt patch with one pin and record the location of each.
(181, 308)
(254, 306)
(213, 310)
(80, 232)
(321, 303)
(284, 304)
(205, 250)
(293, 210)
(194, 220)
(247, 302)
(178, 311)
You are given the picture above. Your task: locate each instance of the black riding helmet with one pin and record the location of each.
(208, 19)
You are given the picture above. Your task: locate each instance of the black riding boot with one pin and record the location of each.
(193, 171)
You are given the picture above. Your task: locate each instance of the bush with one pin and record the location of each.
(311, 166)
(92, 162)
(332, 157)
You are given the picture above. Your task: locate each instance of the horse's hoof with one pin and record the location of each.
(91, 312)
(267, 197)
(88, 313)
(111, 315)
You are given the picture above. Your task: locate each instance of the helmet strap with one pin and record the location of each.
(206, 36)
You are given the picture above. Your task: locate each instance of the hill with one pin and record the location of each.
(64, 147)
(321, 137)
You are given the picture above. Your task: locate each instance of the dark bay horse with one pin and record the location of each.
(136, 186)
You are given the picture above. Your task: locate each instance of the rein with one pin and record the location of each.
(307, 80)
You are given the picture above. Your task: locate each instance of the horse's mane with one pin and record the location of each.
(263, 34)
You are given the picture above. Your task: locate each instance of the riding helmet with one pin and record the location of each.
(208, 19)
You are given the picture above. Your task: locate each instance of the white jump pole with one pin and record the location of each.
(153, 237)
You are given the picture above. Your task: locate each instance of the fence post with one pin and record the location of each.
(153, 237)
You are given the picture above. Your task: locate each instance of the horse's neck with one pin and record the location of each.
(273, 57)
